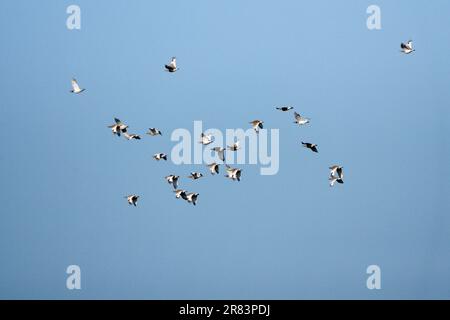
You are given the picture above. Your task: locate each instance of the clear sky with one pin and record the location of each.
(383, 115)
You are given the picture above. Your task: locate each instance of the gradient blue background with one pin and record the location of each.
(384, 116)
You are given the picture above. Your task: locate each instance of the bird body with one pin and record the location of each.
(233, 173)
(118, 127)
(300, 119)
(205, 139)
(173, 180)
(336, 175)
(159, 156)
(192, 197)
(154, 132)
(234, 147)
(75, 87)
(336, 170)
(311, 146)
(172, 66)
(195, 175)
(221, 152)
(132, 199)
(257, 124)
(214, 168)
(179, 193)
(285, 108)
(132, 136)
(407, 47)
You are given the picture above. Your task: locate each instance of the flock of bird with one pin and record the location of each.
(119, 128)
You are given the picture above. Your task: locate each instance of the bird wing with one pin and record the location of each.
(332, 181)
(75, 85)
(222, 155)
(173, 63)
(128, 136)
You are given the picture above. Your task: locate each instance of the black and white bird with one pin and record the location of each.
(118, 127)
(285, 108)
(300, 120)
(154, 132)
(75, 87)
(311, 146)
(195, 175)
(234, 147)
(179, 193)
(172, 66)
(173, 180)
(205, 139)
(407, 47)
(336, 170)
(220, 152)
(159, 156)
(214, 168)
(192, 197)
(132, 136)
(233, 173)
(257, 124)
(132, 199)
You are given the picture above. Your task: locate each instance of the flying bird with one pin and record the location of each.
(159, 156)
(220, 151)
(284, 109)
(233, 173)
(132, 136)
(257, 124)
(132, 199)
(173, 180)
(179, 193)
(407, 48)
(154, 132)
(75, 87)
(172, 66)
(300, 119)
(234, 147)
(336, 170)
(206, 139)
(311, 146)
(214, 168)
(195, 175)
(192, 198)
(118, 127)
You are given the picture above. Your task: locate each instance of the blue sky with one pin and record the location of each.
(382, 115)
